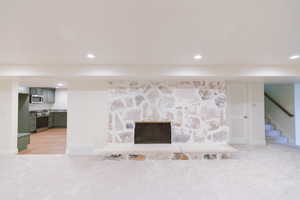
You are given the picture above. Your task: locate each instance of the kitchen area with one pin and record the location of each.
(42, 120)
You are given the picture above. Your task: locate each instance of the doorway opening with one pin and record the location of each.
(42, 120)
(280, 113)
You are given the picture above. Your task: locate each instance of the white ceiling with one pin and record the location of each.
(131, 32)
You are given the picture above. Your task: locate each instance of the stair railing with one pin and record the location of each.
(278, 105)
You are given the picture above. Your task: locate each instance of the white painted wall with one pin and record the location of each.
(8, 116)
(297, 113)
(61, 99)
(87, 117)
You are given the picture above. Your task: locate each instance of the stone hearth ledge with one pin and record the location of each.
(166, 151)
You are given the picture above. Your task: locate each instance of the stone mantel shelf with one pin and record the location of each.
(153, 122)
(171, 148)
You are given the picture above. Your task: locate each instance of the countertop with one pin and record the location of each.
(51, 110)
(58, 110)
(23, 134)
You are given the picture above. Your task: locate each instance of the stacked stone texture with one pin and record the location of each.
(196, 109)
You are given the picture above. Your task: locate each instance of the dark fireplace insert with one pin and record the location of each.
(152, 133)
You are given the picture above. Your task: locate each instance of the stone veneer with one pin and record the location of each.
(167, 156)
(196, 109)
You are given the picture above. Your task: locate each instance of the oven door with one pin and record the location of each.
(36, 99)
(42, 123)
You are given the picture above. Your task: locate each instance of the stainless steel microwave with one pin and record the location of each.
(36, 99)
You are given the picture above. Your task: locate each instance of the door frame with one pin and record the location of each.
(246, 138)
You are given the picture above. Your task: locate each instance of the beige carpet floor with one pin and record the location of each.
(255, 173)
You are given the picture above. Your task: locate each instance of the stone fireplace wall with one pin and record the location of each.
(196, 109)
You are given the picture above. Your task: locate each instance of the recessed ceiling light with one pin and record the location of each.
(294, 57)
(90, 56)
(197, 57)
(60, 84)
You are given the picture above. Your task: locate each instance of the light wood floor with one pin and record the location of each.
(51, 141)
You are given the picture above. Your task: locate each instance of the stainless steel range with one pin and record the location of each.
(42, 120)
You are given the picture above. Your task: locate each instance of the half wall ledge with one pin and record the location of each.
(166, 151)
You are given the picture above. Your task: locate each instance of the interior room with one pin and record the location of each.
(42, 118)
(165, 99)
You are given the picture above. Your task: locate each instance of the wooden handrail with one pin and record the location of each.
(278, 105)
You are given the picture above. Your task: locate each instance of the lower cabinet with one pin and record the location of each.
(50, 120)
(23, 141)
(58, 120)
(32, 125)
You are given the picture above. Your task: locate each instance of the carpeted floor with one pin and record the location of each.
(255, 173)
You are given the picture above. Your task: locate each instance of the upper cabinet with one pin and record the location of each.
(36, 91)
(47, 93)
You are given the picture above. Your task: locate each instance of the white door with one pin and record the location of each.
(237, 95)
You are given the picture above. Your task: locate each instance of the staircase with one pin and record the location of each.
(274, 136)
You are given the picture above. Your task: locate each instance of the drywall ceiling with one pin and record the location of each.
(134, 32)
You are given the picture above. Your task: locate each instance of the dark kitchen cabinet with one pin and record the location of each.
(36, 91)
(47, 93)
(23, 114)
(40, 91)
(51, 120)
(51, 95)
(33, 91)
(58, 120)
(23, 141)
(32, 124)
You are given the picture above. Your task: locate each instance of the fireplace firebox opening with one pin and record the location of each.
(152, 133)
